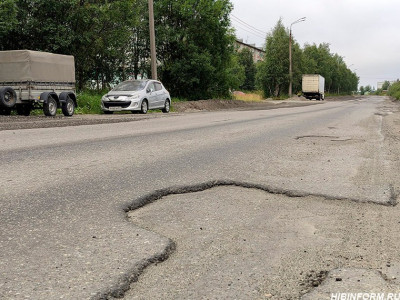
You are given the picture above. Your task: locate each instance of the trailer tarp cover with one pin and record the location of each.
(26, 65)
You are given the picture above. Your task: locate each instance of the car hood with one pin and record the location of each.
(122, 95)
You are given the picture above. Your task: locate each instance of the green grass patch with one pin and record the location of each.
(89, 102)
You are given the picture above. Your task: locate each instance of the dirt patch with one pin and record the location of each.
(212, 105)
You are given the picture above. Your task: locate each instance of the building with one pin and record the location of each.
(258, 53)
(380, 84)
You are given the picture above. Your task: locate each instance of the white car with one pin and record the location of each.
(136, 95)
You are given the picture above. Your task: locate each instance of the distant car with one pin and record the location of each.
(136, 95)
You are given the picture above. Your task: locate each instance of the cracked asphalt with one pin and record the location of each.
(311, 189)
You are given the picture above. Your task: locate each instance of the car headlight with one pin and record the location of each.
(104, 98)
(132, 97)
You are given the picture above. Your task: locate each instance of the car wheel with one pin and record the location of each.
(167, 106)
(107, 112)
(68, 108)
(144, 107)
(50, 107)
(24, 109)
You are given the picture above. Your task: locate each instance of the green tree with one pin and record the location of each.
(386, 85)
(272, 75)
(236, 73)
(245, 57)
(195, 47)
(8, 18)
(95, 32)
(338, 77)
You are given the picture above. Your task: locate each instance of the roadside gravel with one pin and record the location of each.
(22, 122)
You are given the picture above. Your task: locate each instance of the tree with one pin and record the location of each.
(245, 58)
(338, 77)
(273, 72)
(386, 85)
(195, 47)
(8, 18)
(95, 32)
(236, 73)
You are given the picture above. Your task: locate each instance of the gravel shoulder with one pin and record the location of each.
(22, 122)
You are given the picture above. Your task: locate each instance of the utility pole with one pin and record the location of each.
(290, 55)
(152, 41)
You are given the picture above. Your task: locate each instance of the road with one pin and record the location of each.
(243, 204)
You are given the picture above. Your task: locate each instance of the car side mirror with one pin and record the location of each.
(148, 91)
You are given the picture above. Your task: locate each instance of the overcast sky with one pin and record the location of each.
(365, 32)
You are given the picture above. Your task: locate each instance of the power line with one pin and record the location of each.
(248, 25)
(252, 32)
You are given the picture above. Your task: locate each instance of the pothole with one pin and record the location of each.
(231, 239)
(312, 280)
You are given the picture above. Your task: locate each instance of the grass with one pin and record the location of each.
(249, 96)
(89, 102)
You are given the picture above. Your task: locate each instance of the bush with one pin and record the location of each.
(89, 102)
(394, 90)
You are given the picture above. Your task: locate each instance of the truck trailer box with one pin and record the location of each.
(313, 86)
(34, 79)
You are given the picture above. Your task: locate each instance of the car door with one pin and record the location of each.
(151, 94)
(160, 94)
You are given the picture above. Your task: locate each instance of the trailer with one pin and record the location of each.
(37, 80)
(313, 86)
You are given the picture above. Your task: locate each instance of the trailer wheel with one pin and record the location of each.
(8, 97)
(50, 107)
(24, 109)
(68, 108)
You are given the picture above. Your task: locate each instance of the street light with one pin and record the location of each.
(290, 54)
(152, 41)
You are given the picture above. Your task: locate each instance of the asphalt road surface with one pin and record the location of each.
(275, 204)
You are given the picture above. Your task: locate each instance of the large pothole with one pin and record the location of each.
(240, 243)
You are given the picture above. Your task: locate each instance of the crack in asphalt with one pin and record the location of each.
(316, 136)
(118, 291)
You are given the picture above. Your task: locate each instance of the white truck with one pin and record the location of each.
(313, 86)
(33, 79)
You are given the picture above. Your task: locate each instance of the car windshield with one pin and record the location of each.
(132, 85)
